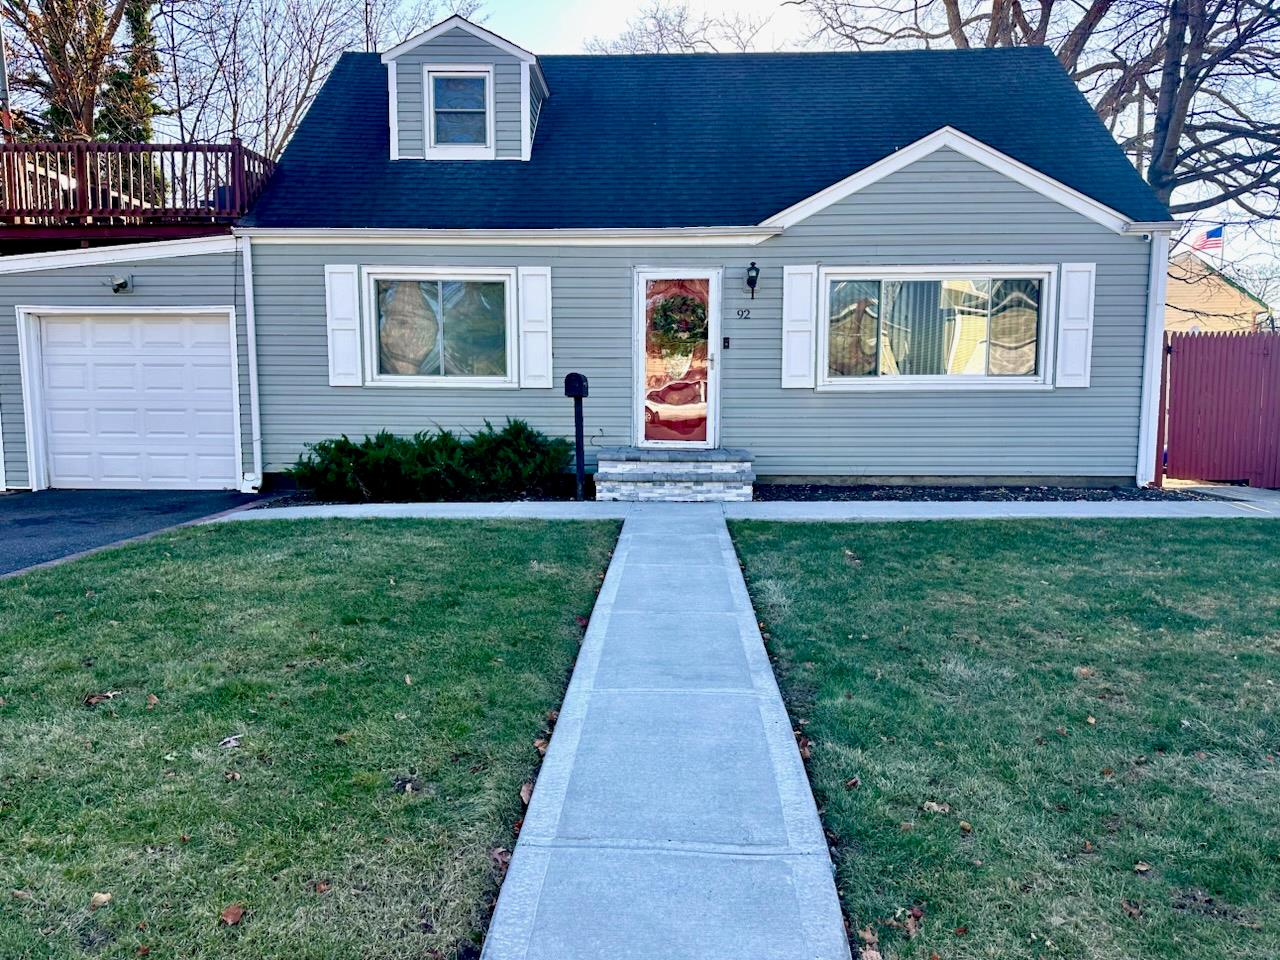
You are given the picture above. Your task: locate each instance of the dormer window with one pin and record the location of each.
(459, 112)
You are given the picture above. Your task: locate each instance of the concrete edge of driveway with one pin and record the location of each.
(137, 538)
(817, 511)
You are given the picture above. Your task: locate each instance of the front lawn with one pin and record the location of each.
(323, 724)
(1049, 739)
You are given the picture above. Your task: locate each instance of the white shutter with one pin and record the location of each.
(1075, 325)
(799, 325)
(342, 308)
(535, 326)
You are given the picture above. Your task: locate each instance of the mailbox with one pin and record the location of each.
(575, 385)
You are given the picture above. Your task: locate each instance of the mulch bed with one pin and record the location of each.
(828, 491)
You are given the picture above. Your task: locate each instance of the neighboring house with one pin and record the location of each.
(1202, 298)
(871, 265)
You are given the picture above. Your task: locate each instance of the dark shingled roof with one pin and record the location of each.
(694, 140)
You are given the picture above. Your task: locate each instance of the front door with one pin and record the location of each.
(677, 380)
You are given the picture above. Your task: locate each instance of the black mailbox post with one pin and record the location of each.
(575, 386)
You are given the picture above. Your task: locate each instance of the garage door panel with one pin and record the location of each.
(139, 402)
(118, 424)
(164, 377)
(65, 376)
(112, 375)
(111, 333)
(66, 332)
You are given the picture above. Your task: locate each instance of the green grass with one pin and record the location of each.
(347, 654)
(959, 664)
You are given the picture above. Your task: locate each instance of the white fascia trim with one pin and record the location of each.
(1152, 360)
(252, 482)
(457, 21)
(393, 111)
(526, 122)
(962, 143)
(125, 253)
(605, 237)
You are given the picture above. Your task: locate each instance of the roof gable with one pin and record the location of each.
(459, 22)
(952, 139)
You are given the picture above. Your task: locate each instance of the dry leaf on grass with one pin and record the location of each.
(21, 894)
(1142, 867)
(1083, 673)
(91, 700)
(232, 915)
(501, 857)
(231, 776)
(99, 900)
(526, 792)
(1131, 909)
(152, 701)
(804, 743)
(231, 742)
(966, 826)
(930, 806)
(853, 783)
(321, 886)
(541, 746)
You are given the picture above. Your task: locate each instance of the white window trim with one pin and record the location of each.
(1047, 274)
(458, 151)
(369, 324)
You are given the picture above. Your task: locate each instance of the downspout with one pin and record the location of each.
(1153, 342)
(253, 482)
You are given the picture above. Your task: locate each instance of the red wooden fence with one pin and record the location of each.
(1221, 420)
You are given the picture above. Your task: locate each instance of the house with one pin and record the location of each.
(824, 265)
(1202, 298)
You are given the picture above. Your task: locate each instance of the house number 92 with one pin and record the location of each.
(744, 313)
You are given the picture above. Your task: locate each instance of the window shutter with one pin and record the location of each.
(342, 307)
(799, 325)
(535, 326)
(1075, 325)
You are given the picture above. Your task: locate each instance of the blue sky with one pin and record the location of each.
(561, 26)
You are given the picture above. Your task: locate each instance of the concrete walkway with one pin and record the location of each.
(672, 819)
(1253, 504)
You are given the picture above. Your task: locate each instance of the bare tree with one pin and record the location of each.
(1191, 88)
(62, 51)
(250, 68)
(671, 27)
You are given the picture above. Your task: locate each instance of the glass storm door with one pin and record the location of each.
(677, 379)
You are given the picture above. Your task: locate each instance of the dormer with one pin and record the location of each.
(459, 92)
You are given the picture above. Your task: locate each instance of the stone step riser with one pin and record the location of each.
(673, 492)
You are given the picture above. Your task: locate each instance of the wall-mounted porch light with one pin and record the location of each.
(753, 277)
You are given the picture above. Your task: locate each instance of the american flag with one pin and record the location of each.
(1210, 239)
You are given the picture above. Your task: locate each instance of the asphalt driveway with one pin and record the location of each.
(51, 524)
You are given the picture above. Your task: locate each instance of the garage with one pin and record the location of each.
(127, 400)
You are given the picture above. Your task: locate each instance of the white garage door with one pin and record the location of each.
(139, 401)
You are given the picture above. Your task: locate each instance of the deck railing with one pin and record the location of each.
(86, 184)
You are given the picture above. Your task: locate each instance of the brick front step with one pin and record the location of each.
(634, 474)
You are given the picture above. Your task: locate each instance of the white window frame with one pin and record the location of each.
(458, 151)
(369, 323)
(1047, 274)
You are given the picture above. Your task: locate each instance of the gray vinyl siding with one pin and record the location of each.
(945, 209)
(215, 279)
(536, 96)
(458, 46)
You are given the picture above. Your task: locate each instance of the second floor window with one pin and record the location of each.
(459, 111)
